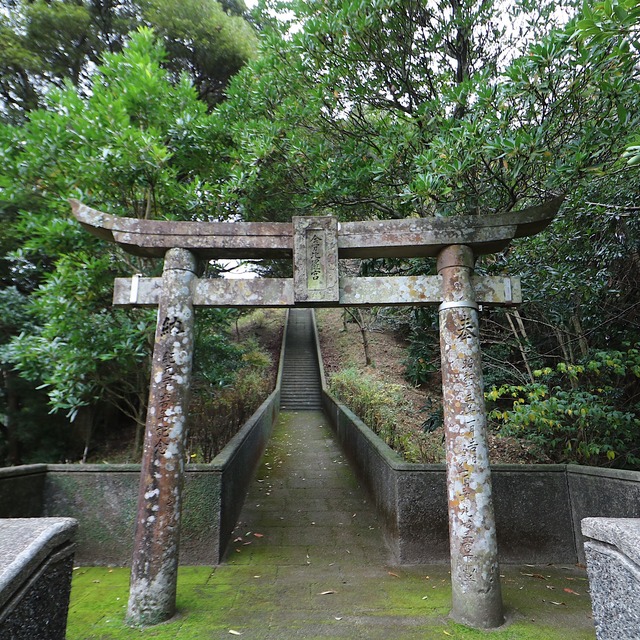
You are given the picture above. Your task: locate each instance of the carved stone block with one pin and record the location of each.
(315, 259)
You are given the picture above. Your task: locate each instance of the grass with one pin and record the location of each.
(288, 602)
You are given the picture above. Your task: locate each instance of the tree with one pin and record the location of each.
(47, 43)
(208, 40)
(136, 144)
(392, 108)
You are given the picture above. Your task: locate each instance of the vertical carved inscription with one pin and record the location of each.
(315, 259)
(476, 596)
(152, 596)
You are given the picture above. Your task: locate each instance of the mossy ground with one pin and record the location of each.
(308, 560)
(400, 603)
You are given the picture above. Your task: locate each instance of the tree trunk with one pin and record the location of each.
(10, 430)
(362, 325)
(84, 423)
(523, 351)
(365, 345)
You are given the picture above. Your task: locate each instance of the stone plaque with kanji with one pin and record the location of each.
(315, 259)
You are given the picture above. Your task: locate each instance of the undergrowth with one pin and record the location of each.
(377, 405)
(586, 413)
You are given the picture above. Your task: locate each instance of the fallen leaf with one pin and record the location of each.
(575, 593)
(446, 633)
(326, 593)
(259, 535)
(395, 575)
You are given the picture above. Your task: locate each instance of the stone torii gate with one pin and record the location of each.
(316, 244)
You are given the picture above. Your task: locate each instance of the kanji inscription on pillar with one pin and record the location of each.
(315, 259)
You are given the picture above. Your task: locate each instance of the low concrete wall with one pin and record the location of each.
(532, 502)
(601, 493)
(103, 498)
(36, 561)
(22, 491)
(237, 464)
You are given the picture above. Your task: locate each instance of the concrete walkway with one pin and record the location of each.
(311, 562)
(308, 561)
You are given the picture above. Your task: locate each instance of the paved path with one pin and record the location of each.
(310, 559)
(309, 531)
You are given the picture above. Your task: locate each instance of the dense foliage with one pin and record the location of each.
(393, 108)
(359, 108)
(134, 141)
(45, 44)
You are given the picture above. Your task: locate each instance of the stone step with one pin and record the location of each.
(301, 387)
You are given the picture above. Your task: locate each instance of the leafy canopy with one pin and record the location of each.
(394, 108)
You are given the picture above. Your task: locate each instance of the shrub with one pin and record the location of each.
(585, 413)
(377, 404)
(422, 359)
(220, 406)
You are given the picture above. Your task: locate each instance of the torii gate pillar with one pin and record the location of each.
(475, 580)
(316, 245)
(154, 569)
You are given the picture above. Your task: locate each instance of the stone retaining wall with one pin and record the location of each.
(103, 498)
(538, 507)
(22, 491)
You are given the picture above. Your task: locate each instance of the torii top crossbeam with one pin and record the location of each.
(316, 244)
(410, 237)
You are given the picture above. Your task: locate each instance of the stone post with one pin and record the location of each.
(476, 595)
(154, 570)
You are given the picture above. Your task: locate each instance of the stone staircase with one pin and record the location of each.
(301, 386)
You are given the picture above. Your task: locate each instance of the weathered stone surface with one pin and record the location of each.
(475, 581)
(427, 237)
(152, 238)
(621, 533)
(154, 570)
(36, 560)
(353, 292)
(315, 259)
(412, 237)
(613, 551)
